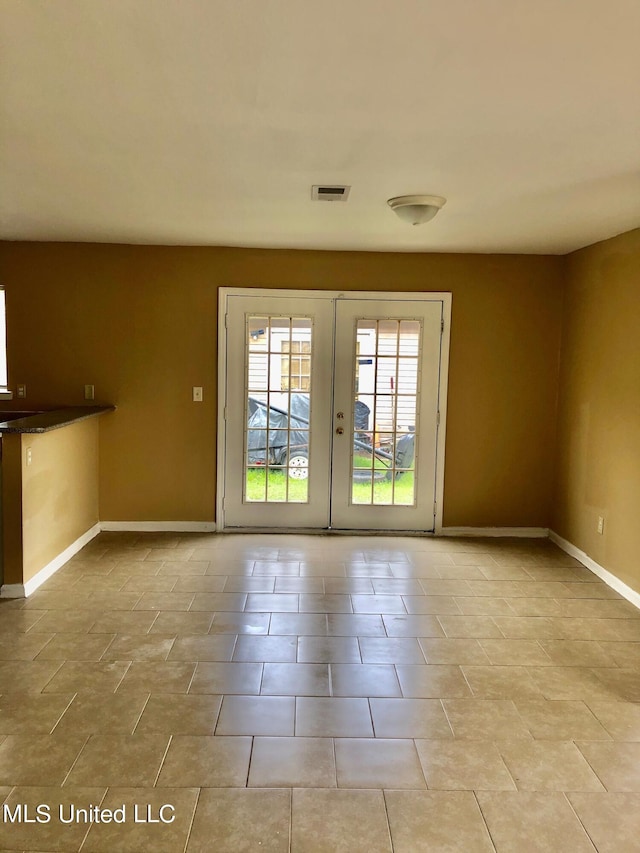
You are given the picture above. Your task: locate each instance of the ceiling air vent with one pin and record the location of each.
(330, 192)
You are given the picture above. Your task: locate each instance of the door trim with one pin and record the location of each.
(418, 296)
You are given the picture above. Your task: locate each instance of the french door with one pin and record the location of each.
(331, 410)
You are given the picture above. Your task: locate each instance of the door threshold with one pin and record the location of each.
(327, 531)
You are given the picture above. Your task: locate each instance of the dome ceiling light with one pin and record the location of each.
(416, 209)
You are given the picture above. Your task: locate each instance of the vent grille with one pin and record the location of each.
(330, 192)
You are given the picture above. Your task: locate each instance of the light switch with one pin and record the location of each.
(89, 392)
(197, 393)
(29, 457)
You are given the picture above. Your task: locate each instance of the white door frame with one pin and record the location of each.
(427, 296)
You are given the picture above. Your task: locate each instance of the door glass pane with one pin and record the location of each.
(386, 381)
(278, 388)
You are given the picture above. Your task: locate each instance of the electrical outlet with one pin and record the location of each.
(21, 391)
(197, 393)
(89, 392)
(600, 527)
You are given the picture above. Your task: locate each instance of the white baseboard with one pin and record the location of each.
(160, 526)
(24, 590)
(604, 574)
(517, 532)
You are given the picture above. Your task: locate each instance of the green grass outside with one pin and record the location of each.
(259, 480)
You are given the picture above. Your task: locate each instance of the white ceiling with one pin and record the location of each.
(207, 121)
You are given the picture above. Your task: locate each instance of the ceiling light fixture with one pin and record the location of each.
(416, 209)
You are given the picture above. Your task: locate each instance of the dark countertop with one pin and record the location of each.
(46, 421)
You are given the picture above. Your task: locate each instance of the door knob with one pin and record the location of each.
(339, 430)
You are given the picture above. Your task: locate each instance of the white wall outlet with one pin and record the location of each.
(197, 393)
(29, 457)
(89, 392)
(600, 527)
(21, 391)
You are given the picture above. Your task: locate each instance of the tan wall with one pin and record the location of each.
(140, 323)
(59, 491)
(598, 467)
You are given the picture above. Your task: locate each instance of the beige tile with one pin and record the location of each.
(272, 649)
(218, 647)
(391, 650)
(256, 715)
(201, 583)
(620, 719)
(294, 585)
(383, 604)
(242, 678)
(591, 590)
(102, 713)
(38, 759)
(598, 608)
(296, 679)
(529, 627)
(545, 607)
(332, 717)
(68, 599)
(76, 647)
(436, 822)
(77, 676)
(241, 820)
(624, 654)
(27, 676)
(446, 587)
(513, 652)
(148, 583)
(285, 568)
(132, 837)
(205, 762)
(485, 719)
(483, 606)
(328, 650)
(20, 621)
(22, 646)
(463, 766)
(181, 568)
(237, 623)
(339, 821)
(353, 679)
(165, 601)
(174, 622)
(180, 715)
(66, 621)
(544, 765)
(121, 622)
(577, 653)
(157, 677)
(292, 762)
(241, 584)
(409, 718)
(223, 601)
(420, 605)
(570, 682)
(612, 820)
(470, 627)
(132, 760)
(325, 603)
(439, 650)
(500, 682)
(623, 683)
(616, 764)
(378, 763)
(355, 625)
(393, 586)
(432, 681)
(560, 720)
(25, 713)
(108, 600)
(54, 835)
(298, 624)
(421, 625)
(140, 647)
(537, 822)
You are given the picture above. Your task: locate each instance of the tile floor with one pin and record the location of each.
(321, 693)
